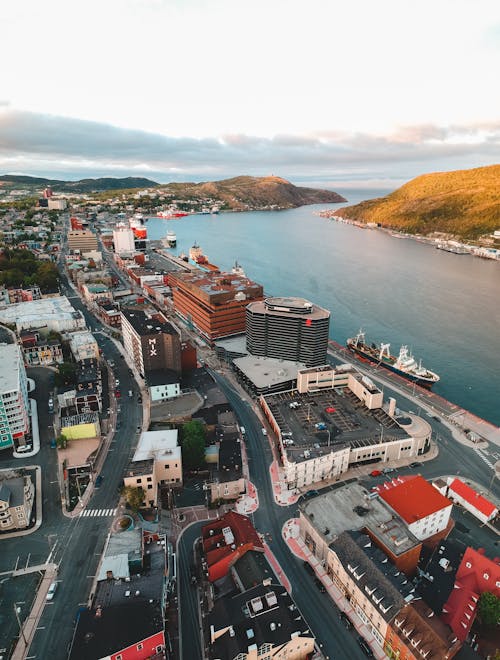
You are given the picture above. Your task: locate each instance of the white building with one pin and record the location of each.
(83, 345)
(163, 384)
(55, 313)
(57, 204)
(469, 499)
(424, 509)
(336, 420)
(123, 239)
(14, 405)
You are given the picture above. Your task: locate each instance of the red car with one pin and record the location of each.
(330, 410)
(375, 473)
(117, 394)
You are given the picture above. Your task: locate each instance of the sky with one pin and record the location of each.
(325, 93)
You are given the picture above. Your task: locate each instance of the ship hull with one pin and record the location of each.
(372, 355)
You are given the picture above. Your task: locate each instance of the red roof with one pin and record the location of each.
(479, 502)
(413, 498)
(220, 554)
(476, 574)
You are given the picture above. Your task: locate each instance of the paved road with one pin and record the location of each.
(76, 543)
(318, 609)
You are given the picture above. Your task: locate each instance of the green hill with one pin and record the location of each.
(243, 192)
(81, 186)
(465, 203)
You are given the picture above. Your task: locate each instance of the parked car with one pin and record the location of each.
(309, 568)
(311, 493)
(414, 464)
(51, 592)
(388, 470)
(345, 620)
(98, 481)
(264, 432)
(365, 647)
(375, 473)
(139, 399)
(118, 394)
(320, 585)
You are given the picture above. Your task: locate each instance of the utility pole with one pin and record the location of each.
(21, 631)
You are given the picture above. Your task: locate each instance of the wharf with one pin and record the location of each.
(434, 403)
(180, 263)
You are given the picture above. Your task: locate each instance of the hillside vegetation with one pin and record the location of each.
(244, 192)
(465, 203)
(81, 186)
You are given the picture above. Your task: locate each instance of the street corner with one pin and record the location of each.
(290, 529)
(290, 534)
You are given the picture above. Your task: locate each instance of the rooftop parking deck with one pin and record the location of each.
(329, 420)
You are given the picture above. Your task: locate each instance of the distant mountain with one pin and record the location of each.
(464, 203)
(81, 186)
(249, 192)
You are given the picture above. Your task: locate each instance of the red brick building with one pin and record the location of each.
(214, 303)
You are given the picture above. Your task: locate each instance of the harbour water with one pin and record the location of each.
(445, 307)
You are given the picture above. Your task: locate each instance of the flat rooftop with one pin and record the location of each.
(344, 421)
(212, 284)
(267, 371)
(11, 361)
(348, 508)
(145, 323)
(291, 306)
(39, 311)
(157, 445)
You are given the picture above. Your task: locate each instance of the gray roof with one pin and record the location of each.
(373, 573)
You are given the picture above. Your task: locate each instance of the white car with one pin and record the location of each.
(51, 591)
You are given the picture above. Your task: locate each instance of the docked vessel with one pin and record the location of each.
(200, 259)
(450, 247)
(404, 364)
(171, 238)
(171, 213)
(237, 269)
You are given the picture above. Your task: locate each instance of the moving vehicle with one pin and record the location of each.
(404, 364)
(51, 592)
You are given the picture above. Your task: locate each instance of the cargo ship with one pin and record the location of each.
(404, 364)
(201, 260)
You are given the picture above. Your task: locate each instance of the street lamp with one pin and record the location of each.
(16, 613)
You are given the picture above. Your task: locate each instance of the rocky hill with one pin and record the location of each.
(464, 203)
(248, 192)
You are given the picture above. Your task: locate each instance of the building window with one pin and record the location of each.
(167, 466)
(149, 479)
(150, 486)
(139, 481)
(140, 647)
(118, 657)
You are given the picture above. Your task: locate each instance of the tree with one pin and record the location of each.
(134, 496)
(47, 276)
(489, 609)
(66, 373)
(193, 445)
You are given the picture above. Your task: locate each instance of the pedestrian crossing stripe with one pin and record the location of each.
(94, 513)
(481, 455)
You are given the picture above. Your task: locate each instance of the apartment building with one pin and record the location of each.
(17, 495)
(14, 404)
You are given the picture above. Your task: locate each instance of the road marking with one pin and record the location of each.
(94, 513)
(41, 628)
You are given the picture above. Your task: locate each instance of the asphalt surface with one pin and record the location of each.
(76, 543)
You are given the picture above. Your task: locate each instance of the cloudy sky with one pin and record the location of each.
(341, 94)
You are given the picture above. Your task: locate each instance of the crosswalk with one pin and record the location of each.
(481, 455)
(94, 513)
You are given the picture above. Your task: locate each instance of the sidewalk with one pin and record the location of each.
(290, 533)
(282, 495)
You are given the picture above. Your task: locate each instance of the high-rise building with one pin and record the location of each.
(14, 404)
(288, 329)
(214, 303)
(151, 341)
(83, 240)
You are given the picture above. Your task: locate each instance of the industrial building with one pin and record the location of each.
(289, 329)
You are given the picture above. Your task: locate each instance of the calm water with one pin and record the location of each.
(446, 307)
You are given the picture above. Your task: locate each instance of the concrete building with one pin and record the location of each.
(55, 313)
(151, 341)
(57, 203)
(375, 588)
(82, 240)
(96, 293)
(83, 345)
(262, 622)
(289, 329)
(214, 303)
(123, 239)
(17, 494)
(352, 508)
(157, 462)
(322, 431)
(264, 375)
(14, 404)
(424, 509)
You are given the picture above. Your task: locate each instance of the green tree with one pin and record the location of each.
(134, 496)
(66, 373)
(47, 276)
(193, 445)
(489, 609)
